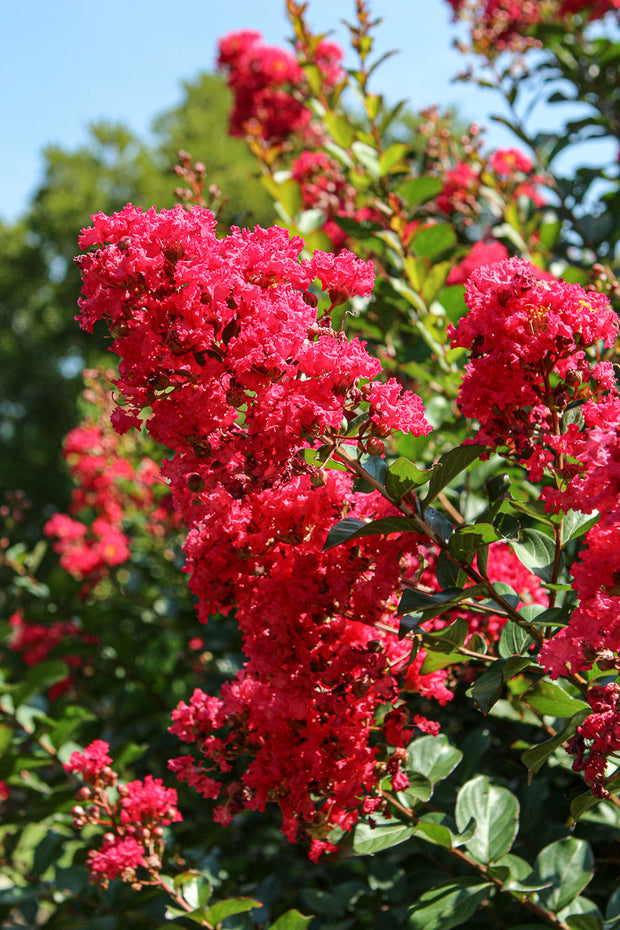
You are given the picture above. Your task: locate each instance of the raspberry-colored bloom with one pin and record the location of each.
(149, 803)
(91, 761)
(506, 162)
(223, 346)
(520, 329)
(482, 253)
(598, 737)
(119, 857)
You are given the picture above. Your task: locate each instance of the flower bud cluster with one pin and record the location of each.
(132, 813)
(510, 25)
(254, 379)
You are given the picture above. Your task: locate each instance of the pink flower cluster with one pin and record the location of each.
(528, 339)
(598, 737)
(134, 815)
(593, 470)
(35, 641)
(508, 171)
(111, 481)
(510, 25)
(265, 81)
(222, 341)
(532, 344)
(324, 187)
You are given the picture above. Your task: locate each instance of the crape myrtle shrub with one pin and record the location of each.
(380, 438)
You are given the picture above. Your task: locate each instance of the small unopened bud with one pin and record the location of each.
(310, 299)
(375, 446)
(174, 252)
(195, 483)
(317, 479)
(124, 243)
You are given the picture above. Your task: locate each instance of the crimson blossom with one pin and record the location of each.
(530, 340)
(226, 358)
(133, 814)
(263, 80)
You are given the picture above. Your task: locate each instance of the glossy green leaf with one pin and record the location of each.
(547, 697)
(536, 757)
(575, 524)
(449, 904)
(416, 191)
(349, 528)
(467, 540)
(536, 551)
(514, 640)
(403, 476)
(439, 829)
(433, 756)
(496, 812)
(431, 241)
(368, 840)
(340, 129)
(568, 864)
(291, 920)
(229, 907)
(451, 464)
(392, 156)
(367, 156)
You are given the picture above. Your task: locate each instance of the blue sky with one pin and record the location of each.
(66, 63)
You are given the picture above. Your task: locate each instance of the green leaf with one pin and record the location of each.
(449, 904)
(496, 812)
(416, 191)
(536, 757)
(38, 679)
(448, 574)
(514, 640)
(583, 922)
(439, 829)
(340, 129)
(568, 864)
(228, 907)
(549, 698)
(367, 157)
(376, 467)
(575, 524)
(438, 523)
(291, 920)
(449, 466)
(424, 606)
(467, 540)
(445, 640)
(392, 156)
(403, 476)
(433, 756)
(433, 240)
(349, 528)
(487, 689)
(368, 840)
(536, 551)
